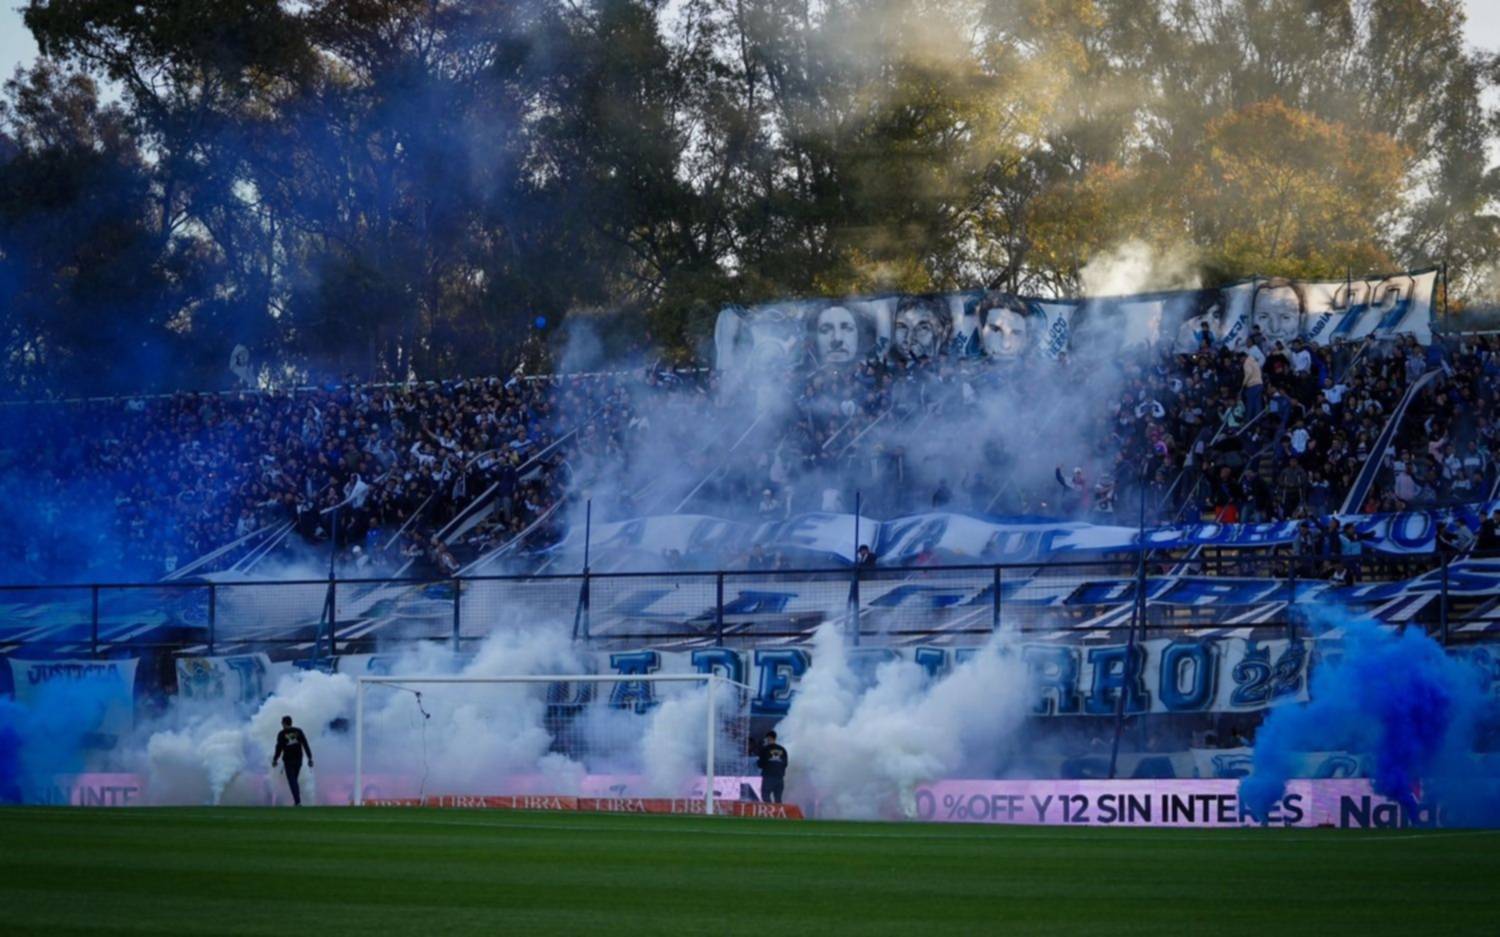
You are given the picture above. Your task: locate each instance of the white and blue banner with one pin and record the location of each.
(1003, 326)
(1057, 605)
(245, 679)
(1161, 676)
(108, 684)
(963, 538)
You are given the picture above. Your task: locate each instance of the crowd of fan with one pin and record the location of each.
(144, 486)
(1273, 432)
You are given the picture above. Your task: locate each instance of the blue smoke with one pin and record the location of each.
(1399, 700)
(55, 733)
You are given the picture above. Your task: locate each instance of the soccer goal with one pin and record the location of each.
(637, 735)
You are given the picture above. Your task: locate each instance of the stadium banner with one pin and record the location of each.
(383, 665)
(1231, 763)
(1005, 326)
(1069, 603)
(338, 789)
(958, 538)
(1205, 803)
(90, 790)
(111, 683)
(1228, 675)
(245, 679)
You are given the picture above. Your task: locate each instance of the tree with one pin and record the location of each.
(1280, 192)
(401, 187)
(85, 285)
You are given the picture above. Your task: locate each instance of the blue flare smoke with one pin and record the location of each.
(54, 733)
(1401, 701)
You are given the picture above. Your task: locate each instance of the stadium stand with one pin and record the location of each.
(167, 480)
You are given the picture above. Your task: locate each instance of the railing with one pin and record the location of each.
(1456, 598)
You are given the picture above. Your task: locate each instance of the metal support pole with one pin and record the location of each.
(708, 767)
(333, 544)
(854, 584)
(1137, 619)
(213, 616)
(457, 620)
(581, 615)
(359, 743)
(588, 537)
(94, 621)
(1443, 602)
(995, 611)
(333, 618)
(719, 609)
(1291, 599)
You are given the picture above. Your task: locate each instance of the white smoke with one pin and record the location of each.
(873, 744)
(861, 751)
(1136, 267)
(479, 738)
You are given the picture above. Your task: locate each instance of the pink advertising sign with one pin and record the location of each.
(1204, 803)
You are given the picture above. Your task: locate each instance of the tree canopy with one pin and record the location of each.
(407, 187)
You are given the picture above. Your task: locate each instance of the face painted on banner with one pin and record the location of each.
(922, 327)
(1006, 333)
(836, 335)
(1277, 310)
(1005, 328)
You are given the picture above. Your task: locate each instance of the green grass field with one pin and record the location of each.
(380, 872)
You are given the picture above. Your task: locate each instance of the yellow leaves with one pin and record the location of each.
(1277, 190)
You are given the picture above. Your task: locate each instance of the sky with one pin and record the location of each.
(16, 47)
(1484, 23)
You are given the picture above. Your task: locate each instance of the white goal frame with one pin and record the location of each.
(710, 680)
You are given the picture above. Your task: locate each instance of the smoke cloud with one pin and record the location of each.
(1398, 698)
(1134, 266)
(54, 733)
(815, 437)
(867, 744)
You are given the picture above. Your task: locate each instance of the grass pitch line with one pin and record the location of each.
(825, 829)
(553, 823)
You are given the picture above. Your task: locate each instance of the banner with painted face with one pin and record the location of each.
(1005, 326)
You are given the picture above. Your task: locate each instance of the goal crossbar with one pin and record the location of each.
(710, 680)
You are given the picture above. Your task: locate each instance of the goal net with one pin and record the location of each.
(679, 736)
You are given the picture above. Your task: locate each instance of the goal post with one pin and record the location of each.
(591, 719)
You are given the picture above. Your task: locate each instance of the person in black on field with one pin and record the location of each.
(291, 744)
(771, 760)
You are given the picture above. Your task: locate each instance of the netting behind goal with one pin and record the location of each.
(667, 736)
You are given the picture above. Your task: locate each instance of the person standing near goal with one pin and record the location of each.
(291, 745)
(771, 759)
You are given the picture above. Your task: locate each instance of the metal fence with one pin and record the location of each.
(1455, 598)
